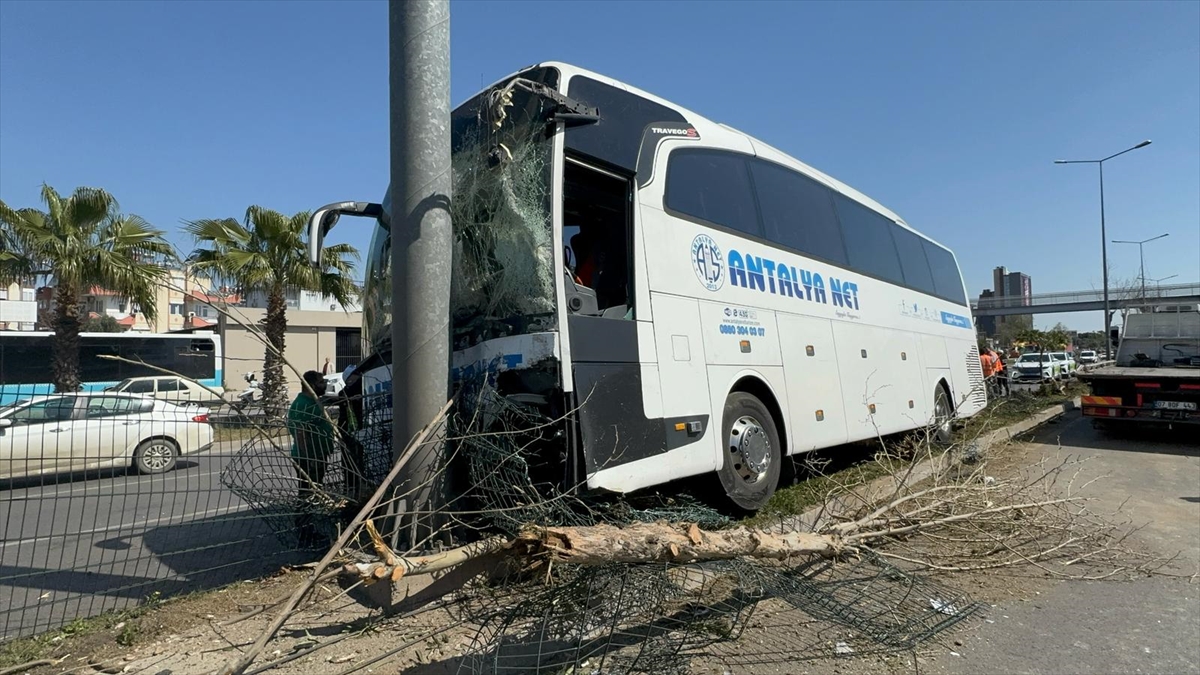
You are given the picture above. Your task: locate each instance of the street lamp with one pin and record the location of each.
(1158, 284)
(1141, 257)
(1103, 235)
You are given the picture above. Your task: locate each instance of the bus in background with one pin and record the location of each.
(699, 302)
(26, 360)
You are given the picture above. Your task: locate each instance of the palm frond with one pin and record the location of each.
(53, 202)
(270, 250)
(88, 209)
(224, 232)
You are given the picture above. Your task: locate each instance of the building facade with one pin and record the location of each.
(312, 337)
(18, 307)
(1016, 288)
(305, 301)
(1012, 284)
(986, 324)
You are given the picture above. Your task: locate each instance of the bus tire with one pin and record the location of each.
(943, 417)
(155, 455)
(752, 459)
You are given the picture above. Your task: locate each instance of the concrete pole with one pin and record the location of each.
(419, 79)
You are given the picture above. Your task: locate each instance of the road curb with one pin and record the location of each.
(1009, 432)
(873, 491)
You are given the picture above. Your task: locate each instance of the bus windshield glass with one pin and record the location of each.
(503, 276)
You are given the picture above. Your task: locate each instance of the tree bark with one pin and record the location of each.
(273, 382)
(656, 542)
(66, 338)
(666, 542)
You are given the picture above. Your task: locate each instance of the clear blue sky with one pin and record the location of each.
(948, 113)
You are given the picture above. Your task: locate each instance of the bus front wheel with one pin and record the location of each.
(752, 458)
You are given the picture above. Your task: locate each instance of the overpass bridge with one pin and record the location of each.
(1087, 301)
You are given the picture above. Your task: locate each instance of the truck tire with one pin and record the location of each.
(752, 457)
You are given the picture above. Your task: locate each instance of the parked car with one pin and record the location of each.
(1034, 367)
(1088, 357)
(170, 389)
(1066, 364)
(61, 433)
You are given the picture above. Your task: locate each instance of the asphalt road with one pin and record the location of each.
(1150, 625)
(87, 544)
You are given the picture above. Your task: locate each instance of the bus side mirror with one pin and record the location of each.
(1114, 336)
(323, 220)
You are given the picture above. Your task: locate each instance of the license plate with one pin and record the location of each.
(1175, 405)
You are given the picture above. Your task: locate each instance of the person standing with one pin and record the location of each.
(312, 443)
(327, 368)
(1001, 369)
(988, 362)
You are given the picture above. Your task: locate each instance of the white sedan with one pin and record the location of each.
(169, 389)
(61, 433)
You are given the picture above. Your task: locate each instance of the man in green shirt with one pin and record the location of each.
(312, 444)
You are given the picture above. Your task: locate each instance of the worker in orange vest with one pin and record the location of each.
(988, 362)
(1001, 375)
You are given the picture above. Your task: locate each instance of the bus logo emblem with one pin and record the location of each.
(707, 262)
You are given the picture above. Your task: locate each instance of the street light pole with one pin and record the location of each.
(421, 244)
(1158, 284)
(1103, 234)
(1141, 258)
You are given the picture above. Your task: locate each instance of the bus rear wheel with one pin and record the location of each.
(943, 417)
(752, 458)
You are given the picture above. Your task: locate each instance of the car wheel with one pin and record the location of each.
(752, 458)
(155, 455)
(943, 417)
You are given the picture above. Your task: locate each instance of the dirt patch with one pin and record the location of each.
(109, 637)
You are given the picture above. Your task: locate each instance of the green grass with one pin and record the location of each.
(43, 646)
(231, 433)
(810, 491)
(1020, 406)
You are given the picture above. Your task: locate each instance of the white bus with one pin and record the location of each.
(698, 301)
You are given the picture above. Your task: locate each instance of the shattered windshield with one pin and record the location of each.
(503, 277)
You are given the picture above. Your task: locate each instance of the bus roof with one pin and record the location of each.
(703, 125)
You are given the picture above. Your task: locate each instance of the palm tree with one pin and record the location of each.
(269, 252)
(81, 241)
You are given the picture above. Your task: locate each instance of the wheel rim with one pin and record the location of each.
(749, 449)
(157, 456)
(941, 417)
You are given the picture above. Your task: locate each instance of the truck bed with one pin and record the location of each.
(1126, 372)
(1165, 395)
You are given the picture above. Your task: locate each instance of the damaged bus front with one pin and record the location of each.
(513, 277)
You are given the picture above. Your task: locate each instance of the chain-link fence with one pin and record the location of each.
(108, 499)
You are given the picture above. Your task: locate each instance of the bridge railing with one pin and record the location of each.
(1124, 295)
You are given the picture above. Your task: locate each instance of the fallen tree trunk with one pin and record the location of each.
(606, 544)
(670, 542)
(661, 542)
